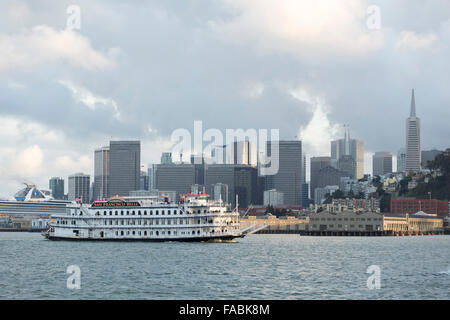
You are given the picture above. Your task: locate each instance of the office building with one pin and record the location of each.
(329, 176)
(79, 187)
(124, 167)
(56, 185)
(244, 152)
(166, 158)
(101, 174)
(348, 147)
(288, 179)
(241, 181)
(317, 163)
(144, 181)
(401, 160)
(220, 192)
(321, 194)
(413, 141)
(273, 198)
(305, 195)
(176, 177)
(381, 163)
(348, 165)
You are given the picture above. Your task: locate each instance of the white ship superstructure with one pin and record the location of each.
(33, 201)
(195, 218)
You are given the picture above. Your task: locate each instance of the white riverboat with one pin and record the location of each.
(194, 218)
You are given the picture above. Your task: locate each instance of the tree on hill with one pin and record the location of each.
(439, 185)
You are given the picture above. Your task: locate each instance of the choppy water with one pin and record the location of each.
(257, 267)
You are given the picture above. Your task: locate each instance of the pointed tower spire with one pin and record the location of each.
(413, 105)
(347, 140)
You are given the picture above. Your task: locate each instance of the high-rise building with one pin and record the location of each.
(144, 181)
(381, 163)
(401, 160)
(166, 158)
(151, 176)
(289, 179)
(304, 169)
(179, 177)
(347, 164)
(198, 189)
(56, 185)
(329, 176)
(220, 192)
(219, 155)
(348, 147)
(79, 187)
(317, 163)
(175, 177)
(124, 167)
(241, 180)
(101, 174)
(273, 198)
(413, 143)
(305, 195)
(244, 152)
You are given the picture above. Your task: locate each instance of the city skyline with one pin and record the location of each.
(120, 87)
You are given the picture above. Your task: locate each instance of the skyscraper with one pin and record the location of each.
(101, 174)
(288, 180)
(124, 167)
(348, 147)
(413, 143)
(240, 180)
(244, 152)
(79, 187)
(166, 158)
(176, 177)
(57, 186)
(381, 163)
(317, 163)
(401, 160)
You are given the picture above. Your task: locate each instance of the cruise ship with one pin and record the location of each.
(193, 218)
(32, 201)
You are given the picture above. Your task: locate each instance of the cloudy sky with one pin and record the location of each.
(141, 69)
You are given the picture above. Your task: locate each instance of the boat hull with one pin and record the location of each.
(187, 239)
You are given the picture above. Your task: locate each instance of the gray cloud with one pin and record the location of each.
(174, 62)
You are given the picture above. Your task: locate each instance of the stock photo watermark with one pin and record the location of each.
(374, 280)
(220, 150)
(373, 21)
(74, 18)
(74, 280)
